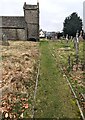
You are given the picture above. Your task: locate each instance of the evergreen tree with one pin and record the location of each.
(72, 24)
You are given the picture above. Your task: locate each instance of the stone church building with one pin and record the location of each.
(22, 27)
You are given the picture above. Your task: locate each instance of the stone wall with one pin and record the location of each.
(21, 34)
(14, 34)
(33, 33)
(31, 13)
(21, 27)
(13, 27)
(31, 16)
(13, 21)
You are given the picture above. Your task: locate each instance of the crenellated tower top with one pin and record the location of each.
(31, 15)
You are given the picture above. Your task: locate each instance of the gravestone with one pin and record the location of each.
(77, 43)
(4, 40)
(77, 49)
(80, 36)
(67, 38)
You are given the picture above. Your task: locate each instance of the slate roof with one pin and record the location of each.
(13, 21)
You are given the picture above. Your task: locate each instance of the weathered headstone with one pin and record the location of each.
(77, 49)
(77, 43)
(4, 40)
(80, 36)
(67, 38)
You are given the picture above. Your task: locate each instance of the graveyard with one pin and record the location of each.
(52, 87)
(19, 67)
(42, 65)
(36, 77)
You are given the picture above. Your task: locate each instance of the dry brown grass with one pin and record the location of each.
(19, 68)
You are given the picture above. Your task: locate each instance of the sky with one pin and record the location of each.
(52, 12)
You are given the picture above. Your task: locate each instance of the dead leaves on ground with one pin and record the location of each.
(19, 69)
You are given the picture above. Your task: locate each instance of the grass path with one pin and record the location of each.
(54, 98)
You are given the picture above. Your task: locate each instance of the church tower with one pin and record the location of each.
(31, 14)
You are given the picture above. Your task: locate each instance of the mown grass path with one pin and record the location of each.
(54, 98)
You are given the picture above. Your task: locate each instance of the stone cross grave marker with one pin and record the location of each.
(67, 38)
(77, 43)
(77, 49)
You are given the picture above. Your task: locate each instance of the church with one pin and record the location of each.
(21, 27)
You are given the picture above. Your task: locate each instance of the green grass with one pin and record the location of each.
(64, 60)
(54, 98)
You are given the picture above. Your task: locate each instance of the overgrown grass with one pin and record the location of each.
(19, 66)
(54, 98)
(76, 77)
(62, 58)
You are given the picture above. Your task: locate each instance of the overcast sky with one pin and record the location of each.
(52, 12)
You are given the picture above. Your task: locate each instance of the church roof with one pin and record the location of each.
(13, 21)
